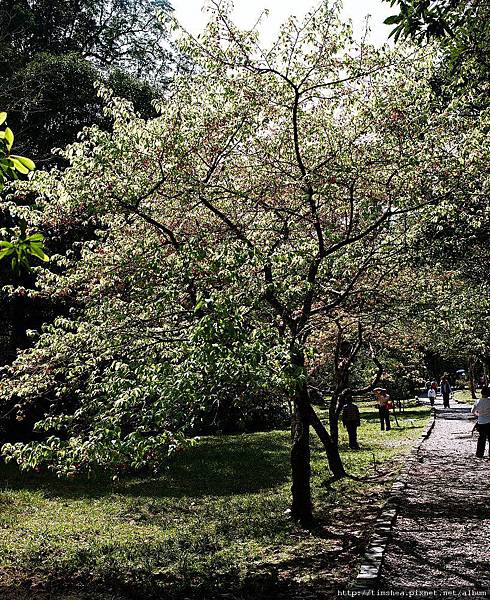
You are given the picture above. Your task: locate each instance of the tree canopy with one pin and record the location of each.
(236, 233)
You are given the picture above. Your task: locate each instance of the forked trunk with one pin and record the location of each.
(331, 447)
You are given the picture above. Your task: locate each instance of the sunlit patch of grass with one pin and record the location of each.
(215, 523)
(464, 396)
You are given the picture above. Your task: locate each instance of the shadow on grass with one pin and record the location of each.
(410, 414)
(215, 466)
(264, 584)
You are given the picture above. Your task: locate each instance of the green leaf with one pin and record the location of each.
(396, 33)
(35, 237)
(19, 166)
(6, 252)
(9, 137)
(3, 117)
(27, 162)
(36, 250)
(393, 20)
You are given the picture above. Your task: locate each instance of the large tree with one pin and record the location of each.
(114, 33)
(268, 195)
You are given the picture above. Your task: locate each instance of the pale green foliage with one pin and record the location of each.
(273, 189)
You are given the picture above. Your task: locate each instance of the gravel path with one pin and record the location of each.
(441, 540)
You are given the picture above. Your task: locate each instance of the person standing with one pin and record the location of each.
(482, 410)
(445, 391)
(383, 404)
(351, 419)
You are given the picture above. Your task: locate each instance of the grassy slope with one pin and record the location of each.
(215, 525)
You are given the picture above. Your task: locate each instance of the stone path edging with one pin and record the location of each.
(372, 561)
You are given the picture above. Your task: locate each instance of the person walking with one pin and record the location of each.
(383, 403)
(482, 410)
(445, 391)
(351, 419)
(431, 394)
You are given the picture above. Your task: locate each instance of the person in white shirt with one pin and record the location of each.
(431, 394)
(482, 410)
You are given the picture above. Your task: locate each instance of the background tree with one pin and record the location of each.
(453, 243)
(462, 30)
(52, 54)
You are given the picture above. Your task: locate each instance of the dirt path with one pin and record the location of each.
(441, 540)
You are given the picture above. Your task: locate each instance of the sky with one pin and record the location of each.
(193, 18)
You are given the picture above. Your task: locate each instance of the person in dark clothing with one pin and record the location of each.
(445, 391)
(351, 419)
(383, 403)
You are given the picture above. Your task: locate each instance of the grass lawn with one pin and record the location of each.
(464, 396)
(215, 525)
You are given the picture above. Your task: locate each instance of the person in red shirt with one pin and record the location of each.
(384, 404)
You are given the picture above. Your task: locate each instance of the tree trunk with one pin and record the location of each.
(486, 369)
(331, 448)
(471, 376)
(304, 416)
(301, 509)
(334, 419)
